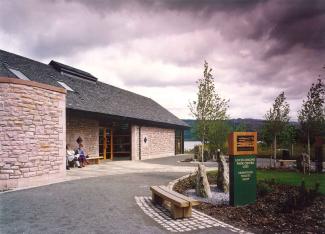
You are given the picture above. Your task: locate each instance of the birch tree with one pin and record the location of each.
(276, 120)
(311, 116)
(208, 106)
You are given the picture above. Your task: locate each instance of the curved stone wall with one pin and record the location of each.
(32, 132)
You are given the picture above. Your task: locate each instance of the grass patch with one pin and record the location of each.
(293, 178)
(285, 177)
(212, 173)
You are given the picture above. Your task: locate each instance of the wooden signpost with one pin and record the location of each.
(242, 147)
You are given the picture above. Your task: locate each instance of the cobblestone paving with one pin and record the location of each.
(198, 221)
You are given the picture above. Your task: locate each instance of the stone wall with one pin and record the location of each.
(85, 127)
(32, 132)
(160, 142)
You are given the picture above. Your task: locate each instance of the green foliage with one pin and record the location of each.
(276, 120)
(198, 153)
(301, 199)
(263, 188)
(239, 128)
(218, 132)
(266, 135)
(312, 114)
(278, 116)
(208, 106)
(288, 135)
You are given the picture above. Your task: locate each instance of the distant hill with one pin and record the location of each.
(250, 125)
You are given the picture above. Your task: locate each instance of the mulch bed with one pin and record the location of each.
(270, 214)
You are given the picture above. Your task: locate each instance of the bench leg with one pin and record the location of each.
(156, 199)
(176, 212)
(187, 211)
(180, 212)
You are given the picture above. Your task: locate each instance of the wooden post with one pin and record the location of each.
(112, 153)
(156, 199)
(176, 212)
(104, 143)
(187, 211)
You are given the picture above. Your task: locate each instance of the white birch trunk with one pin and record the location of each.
(275, 151)
(271, 156)
(202, 151)
(308, 149)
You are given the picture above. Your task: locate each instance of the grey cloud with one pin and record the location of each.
(202, 6)
(59, 28)
(285, 39)
(291, 23)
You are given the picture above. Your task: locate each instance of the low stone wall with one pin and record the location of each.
(32, 132)
(155, 142)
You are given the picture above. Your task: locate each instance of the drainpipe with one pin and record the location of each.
(139, 142)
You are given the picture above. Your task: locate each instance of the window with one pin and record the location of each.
(18, 74)
(64, 85)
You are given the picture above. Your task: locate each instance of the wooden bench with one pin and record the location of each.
(286, 163)
(180, 205)
(94, 159)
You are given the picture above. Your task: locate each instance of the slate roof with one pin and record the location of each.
(91, 96)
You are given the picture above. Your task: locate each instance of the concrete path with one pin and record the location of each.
(90, 204)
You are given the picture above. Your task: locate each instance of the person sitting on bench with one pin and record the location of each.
(82, 155)
(72, 159)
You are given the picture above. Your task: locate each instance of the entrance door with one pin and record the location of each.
(178, 141)
(105, 139)
(122, 142)
(115, 144)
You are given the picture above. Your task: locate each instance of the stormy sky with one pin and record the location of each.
(256, 49)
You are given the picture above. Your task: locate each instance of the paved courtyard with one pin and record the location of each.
(95, 199)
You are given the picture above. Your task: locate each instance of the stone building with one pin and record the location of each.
(43, 107)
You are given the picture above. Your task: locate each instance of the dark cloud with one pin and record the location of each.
(60, 28)
(292, 23)
(268, 46)
(203, 7)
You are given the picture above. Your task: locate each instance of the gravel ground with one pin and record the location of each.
(217, 197)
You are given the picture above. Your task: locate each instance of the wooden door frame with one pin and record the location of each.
(112, 153)
(105, 143)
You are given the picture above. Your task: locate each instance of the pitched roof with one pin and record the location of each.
(89, 94)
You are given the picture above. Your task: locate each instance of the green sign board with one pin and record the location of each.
(242, 173)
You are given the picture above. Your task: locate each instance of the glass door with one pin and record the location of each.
(122, 142)
(178, 141)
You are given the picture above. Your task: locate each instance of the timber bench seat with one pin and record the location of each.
(94, 159)
(286, 163)
(181, 206)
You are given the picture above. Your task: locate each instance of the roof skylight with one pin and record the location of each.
(64, 85)
(19, 74)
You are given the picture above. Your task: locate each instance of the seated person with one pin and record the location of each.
(71, 158)
(82, 155)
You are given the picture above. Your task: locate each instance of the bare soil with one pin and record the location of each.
(277, 211)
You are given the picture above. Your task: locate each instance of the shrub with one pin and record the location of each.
(302, 198)
(263, 188)
(198, 152)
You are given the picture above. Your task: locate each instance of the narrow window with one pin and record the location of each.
(64, 85)
(19, 74)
